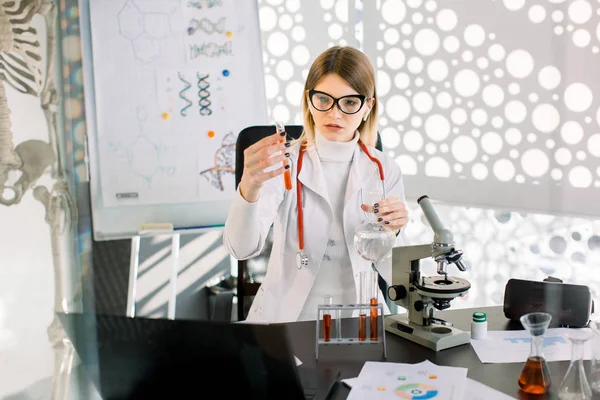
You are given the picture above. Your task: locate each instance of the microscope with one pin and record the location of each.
(421, 294)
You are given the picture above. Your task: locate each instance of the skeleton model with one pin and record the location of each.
(21, 68)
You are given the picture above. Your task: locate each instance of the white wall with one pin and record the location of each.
(26, 271)
(26, 296)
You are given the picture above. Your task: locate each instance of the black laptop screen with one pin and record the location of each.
(140, 358)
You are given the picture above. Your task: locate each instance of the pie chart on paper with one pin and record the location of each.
(416, 391)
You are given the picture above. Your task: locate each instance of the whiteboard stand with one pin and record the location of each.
(174, 272)
(134, 261)
(133, 274)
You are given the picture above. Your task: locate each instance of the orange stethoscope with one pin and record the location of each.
(301, 256)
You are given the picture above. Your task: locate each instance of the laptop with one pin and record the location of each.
(140, 358)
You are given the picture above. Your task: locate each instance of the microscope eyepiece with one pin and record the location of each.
(441, 234)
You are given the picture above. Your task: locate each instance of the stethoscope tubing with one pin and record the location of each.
(302, 257)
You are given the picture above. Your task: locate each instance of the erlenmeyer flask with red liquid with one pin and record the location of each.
(535, 376)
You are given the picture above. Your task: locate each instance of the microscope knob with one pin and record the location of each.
(419, 305)
(396, 292)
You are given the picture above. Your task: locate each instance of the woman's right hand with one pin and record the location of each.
(257, 158)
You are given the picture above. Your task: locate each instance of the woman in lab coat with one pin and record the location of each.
(339, 106)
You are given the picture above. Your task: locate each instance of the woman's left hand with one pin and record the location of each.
(390, 212)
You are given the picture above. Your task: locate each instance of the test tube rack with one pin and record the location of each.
(339, 340)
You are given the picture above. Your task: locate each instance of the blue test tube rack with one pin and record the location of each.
(338, 339)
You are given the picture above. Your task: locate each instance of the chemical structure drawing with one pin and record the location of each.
(144, 30)
(224, 162)
(186, 86)
(206, 25)
(203, 94)
(144, 155)
(200, 4)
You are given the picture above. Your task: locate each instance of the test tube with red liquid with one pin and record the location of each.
(363, 300)
(373, 301)
(327, 319)
(287, 175)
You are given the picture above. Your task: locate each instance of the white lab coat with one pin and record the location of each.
(285, 288)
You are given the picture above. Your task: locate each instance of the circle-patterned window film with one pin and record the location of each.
(483, 115)
(491, 81)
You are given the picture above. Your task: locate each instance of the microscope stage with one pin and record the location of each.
(442, 287)
(436, 337)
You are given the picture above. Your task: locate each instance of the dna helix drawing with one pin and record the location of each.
(182, 95)
(211, 49)
(224, 163)
(199, 4)
(203, 94)
(207, 26)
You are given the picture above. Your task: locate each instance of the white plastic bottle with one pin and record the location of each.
(479, 326)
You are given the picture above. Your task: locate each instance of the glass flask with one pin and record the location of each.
(535, 376)
(373, 241)
(595, 370)
(574, 385)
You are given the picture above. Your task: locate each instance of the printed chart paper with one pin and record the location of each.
(384, 380)
(478, 391)
(473, 391)
(515, 346)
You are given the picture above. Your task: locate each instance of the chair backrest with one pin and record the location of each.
(256, 267)
(249, 136)
(253, 134)
(222, 308)
(250, 271)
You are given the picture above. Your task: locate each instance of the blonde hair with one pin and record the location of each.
(354, 67)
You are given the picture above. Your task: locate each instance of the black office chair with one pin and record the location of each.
(255, 268)
(222, 308)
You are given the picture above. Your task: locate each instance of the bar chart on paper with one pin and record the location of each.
(514, 346)
(379, 380)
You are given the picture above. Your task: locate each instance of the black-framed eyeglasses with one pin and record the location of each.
(322, 101)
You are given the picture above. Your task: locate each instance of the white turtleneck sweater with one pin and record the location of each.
(335, 277)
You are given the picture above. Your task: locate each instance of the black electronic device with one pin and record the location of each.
(570, 305)
(142, 358)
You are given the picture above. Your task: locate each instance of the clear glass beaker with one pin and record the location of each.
(595, 368)
(372, 240)
(574, 385)
(535, 376)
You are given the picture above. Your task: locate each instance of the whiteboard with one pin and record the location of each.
(169, 85)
